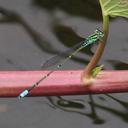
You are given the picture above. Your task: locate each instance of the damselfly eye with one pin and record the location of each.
(96, 31)
(99, 33)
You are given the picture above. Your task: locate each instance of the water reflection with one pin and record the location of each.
(73, 106)
(69, 104)
(118, 65)
(93, 114)
(79, 8)
(11, 17)
(62, 32)
(123, 103)
(69, 37)
(81, 106)
(121, 114)
(83, 8)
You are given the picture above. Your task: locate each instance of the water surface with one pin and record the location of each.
(32, 31)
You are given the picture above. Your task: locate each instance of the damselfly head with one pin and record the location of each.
(99, 33)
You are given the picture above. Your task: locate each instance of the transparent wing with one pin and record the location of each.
(58, 58)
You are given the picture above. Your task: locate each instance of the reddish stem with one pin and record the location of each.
(12, 83)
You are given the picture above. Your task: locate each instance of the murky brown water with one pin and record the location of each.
(32, 31)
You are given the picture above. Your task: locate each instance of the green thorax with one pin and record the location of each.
(98, 35)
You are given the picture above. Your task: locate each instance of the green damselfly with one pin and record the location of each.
(96, 36)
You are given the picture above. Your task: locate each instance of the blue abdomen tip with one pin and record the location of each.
(23, 94)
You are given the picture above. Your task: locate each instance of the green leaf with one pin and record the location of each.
(96, 70)
(115, 8)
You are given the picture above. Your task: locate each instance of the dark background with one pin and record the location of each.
(31, 31)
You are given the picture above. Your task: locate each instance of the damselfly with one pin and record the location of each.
(96, 36)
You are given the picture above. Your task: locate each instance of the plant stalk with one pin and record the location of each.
(12, 83)
(87, 73)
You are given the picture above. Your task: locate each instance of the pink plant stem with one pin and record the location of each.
(12, 83)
